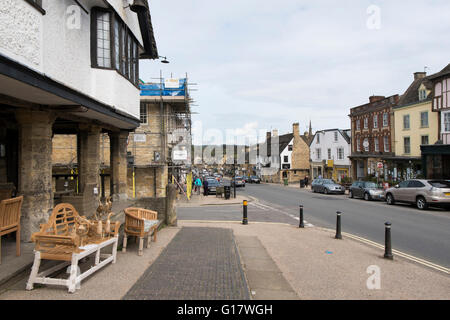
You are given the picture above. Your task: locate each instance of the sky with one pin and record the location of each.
(260, 65)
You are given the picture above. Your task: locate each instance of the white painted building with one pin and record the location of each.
(329, 151)
(92, 49)
(68, 67)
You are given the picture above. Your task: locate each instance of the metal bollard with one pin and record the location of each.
(301, 224)
(244, 219)
(387, 242)
(338, 225)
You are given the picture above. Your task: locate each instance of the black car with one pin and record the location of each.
(212, 185)
(367, 190)
(254, 179)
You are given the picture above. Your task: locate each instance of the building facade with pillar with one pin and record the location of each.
(68, 68)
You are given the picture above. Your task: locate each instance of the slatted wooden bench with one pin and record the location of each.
(140, 223)
(10, 220)
(58, 240)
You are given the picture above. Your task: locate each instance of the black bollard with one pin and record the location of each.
(387, 242)
(244, 219)
(301, 224)
(338, 225)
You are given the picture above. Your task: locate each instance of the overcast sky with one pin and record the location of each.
(263, 65)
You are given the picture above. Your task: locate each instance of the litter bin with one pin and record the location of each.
(286, 182)
(302, 183)
(227, 192)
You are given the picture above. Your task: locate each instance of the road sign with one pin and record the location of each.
(380, 165)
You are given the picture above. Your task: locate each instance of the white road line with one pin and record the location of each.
(265, 207)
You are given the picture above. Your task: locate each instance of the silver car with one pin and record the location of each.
(421, 192)
(327, 186)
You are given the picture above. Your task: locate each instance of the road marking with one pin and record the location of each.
(399, 253)
(265, 207)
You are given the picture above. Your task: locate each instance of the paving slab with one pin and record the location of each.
(199, 264)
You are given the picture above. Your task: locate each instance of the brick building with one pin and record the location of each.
(372, 136)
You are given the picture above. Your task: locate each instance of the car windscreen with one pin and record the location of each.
(440, 184)
(371, 185)
(328, 181)
(213, 183)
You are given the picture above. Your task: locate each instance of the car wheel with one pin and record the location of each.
(421, 203)
(390, 199)
(351, 194)
(326, 191)
(366, 196)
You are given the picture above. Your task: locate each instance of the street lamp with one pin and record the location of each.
(164, 59)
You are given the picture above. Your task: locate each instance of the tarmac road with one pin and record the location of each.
(424, 234)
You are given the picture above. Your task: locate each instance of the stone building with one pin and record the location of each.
(72, 72)
(285, 156)
(372, 137)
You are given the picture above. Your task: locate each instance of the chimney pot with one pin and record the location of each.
(419, 75)
(376, 98)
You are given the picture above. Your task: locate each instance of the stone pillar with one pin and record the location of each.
(35, 169)
(89, 168)
(171, 212)
(118, 164)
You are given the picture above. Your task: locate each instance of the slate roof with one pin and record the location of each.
(411, 95)
(443, 72)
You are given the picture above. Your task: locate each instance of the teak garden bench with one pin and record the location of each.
(58, 240)
(10, 220)
(140, 223)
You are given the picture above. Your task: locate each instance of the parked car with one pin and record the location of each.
(421, 192)
(240, 182)
(212, 185)
(367, 190)
(326, 186)
(254, 179)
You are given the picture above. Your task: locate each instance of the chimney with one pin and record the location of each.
(296, 129)
(275, 133)
(372, 99)
(419, 75)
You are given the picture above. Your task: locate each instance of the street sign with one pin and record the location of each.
(380, 165)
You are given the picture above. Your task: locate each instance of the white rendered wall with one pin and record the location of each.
(288, 153)
(326, 142)
(46, 44)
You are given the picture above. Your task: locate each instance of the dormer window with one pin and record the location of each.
(422, 94)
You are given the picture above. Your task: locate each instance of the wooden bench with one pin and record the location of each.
(140, 223)
(58, 239)
(10, 220)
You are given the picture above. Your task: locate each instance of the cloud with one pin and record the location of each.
(275, 63)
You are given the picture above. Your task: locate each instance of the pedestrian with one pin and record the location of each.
(205, 187)
(306, 181)
(198, 184)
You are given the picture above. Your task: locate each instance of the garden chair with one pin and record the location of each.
(140, 223)
(10, 220)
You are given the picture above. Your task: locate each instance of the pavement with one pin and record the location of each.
(201, 200)
(424, 234)
(198, 264)
(210, 259)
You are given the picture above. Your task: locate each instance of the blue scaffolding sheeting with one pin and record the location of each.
(156, 89)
